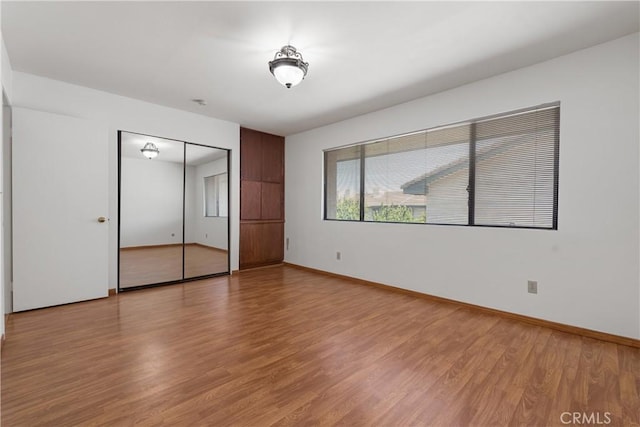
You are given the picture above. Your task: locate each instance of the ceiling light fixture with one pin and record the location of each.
(288, 67)
(150, 150)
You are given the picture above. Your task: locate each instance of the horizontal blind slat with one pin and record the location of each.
(515, 169)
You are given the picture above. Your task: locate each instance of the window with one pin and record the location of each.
(498, 171)
(342, 181)
(216, 195)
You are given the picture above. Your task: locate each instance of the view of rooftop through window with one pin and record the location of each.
(424, 177)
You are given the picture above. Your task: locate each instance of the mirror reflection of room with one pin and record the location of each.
(173, 210)
(206, 211)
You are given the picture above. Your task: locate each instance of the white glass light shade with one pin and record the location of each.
(150, 150)
(288, 75)
(288, 67)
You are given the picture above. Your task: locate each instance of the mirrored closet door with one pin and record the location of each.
(173, 211)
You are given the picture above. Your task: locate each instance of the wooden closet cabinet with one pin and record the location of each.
(261, 198)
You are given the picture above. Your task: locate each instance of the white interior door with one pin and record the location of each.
(60, 179)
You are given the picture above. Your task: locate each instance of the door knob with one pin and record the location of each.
(101, 219)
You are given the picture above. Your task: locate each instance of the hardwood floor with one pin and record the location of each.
(283, 346)
(156, 264)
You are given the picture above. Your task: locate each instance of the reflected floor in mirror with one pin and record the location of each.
(158, 264)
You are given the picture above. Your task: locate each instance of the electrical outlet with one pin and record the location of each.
(532, 287)
(206, 235)
(338, 256)
(287, 243)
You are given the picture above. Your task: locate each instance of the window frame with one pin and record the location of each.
(472, 171)
(217, 184)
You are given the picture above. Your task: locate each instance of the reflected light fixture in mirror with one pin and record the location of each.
(288, 67)
(150, 150)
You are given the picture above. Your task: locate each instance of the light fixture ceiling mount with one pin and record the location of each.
(288, 67)
(150, 150)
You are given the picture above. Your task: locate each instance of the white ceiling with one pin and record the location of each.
(363, 56)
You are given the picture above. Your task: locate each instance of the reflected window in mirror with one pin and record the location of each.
(216, 195)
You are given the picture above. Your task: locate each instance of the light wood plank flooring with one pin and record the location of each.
(157, 264)
(283, 346)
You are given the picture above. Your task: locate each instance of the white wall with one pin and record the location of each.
(7, 73)
(587, 270)
(6, 81)
(122, 113)
(151, 202)
(190, 200)
(6, 199)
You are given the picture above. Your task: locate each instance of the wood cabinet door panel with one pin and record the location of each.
(273, 241)
(272, 158)
(261, 244)
(251, 251)
(250, 154)
(250, 200)
(272, 201)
